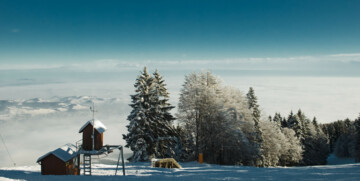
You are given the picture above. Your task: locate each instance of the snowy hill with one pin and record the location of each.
(195, 171)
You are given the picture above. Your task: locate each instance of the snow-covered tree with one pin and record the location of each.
(314, 143)
(357, 139)
(234, 128)
(140, 137)
(150, 131)
(277, 119)
(254, 107)
(292, 153)
(165, 134)
(316, 125)
(295, 124)
(197, 105)
(218, 119)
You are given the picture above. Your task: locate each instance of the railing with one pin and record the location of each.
(78, 145)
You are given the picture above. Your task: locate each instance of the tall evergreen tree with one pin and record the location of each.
(254, 107)
(277, 119)
(140, 135)
(166, 137)
(316, 125)
(357, 139)
(294, 123)
(161, 99)
(151, 133)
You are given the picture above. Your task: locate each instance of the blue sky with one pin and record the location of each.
(80, 31)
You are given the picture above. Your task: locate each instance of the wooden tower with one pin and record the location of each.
(90, 127)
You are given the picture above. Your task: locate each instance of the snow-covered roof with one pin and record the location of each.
(99, 126)
(64, 153)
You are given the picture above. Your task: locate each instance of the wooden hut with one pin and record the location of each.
(87, 131)
(62, 161)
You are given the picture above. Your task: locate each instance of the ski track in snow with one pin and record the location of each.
(194, 171)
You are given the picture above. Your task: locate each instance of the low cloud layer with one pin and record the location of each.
(34, 127)
(327, 65)
(42, 109)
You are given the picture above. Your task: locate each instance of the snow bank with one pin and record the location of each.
(195, 171)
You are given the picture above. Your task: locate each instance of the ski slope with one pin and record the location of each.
(194, 171)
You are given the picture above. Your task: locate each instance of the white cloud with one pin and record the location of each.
(251, 63)
(346, 55)
(26, 66)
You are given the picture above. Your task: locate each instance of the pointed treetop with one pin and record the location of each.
(252, 99)
(314, 120)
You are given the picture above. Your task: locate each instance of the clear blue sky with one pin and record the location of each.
(65, 31)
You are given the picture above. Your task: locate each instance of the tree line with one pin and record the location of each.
(344, 137)
(220, 122)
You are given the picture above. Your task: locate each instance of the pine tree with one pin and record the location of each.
(166, 138)
(357, 139)
(316, 125)
(161, 99)
(294, 123)
(254, 107)
(277, 119)
(140, 137)
(314, 142)
(151, 133)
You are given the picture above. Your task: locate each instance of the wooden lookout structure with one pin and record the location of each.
(66, 160)
(88, 129)
(62, 161)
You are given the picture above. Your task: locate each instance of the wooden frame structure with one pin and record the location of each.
(66, 160)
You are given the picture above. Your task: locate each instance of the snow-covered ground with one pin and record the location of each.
(195, 171)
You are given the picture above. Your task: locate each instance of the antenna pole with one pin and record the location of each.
(92, 109)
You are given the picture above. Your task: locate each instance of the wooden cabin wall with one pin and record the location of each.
(52, 165)
(87, 141)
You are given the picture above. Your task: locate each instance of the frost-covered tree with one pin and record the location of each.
(165, 135)
(280, 146)
(314, 143)
(316, 125)
(140, 137)
(254, 107)
(218, 119)
(344, 137)
(357, 139)
(294, 122)
(234, 131)
(292, 153)
(277, 119)
(197, 106)
(150, 131)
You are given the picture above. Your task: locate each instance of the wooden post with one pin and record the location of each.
(201, 158)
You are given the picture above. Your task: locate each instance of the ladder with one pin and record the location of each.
(87, 164)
